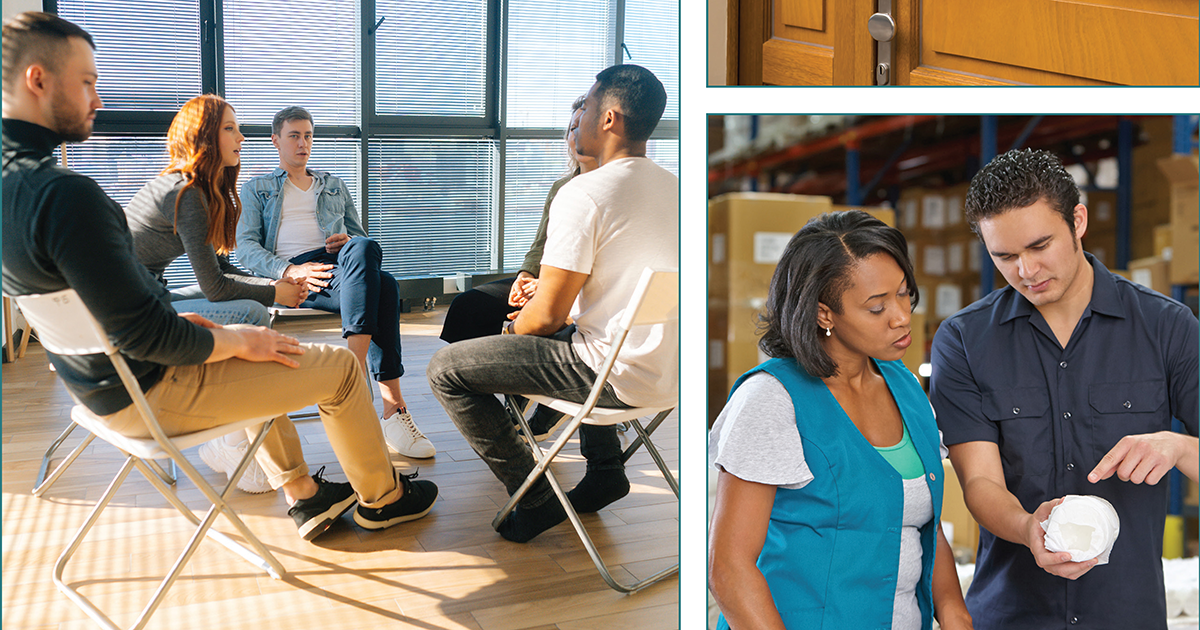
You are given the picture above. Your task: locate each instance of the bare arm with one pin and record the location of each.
(546, 313)
(948, 605)
(981, 475)
(739, 528)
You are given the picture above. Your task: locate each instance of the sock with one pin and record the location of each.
(597, 489)
(524, 524)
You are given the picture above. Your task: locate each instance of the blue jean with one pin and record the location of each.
(465, 376)
(190, 299)
(367, 298)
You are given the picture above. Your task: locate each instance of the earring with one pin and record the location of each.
(829, 332)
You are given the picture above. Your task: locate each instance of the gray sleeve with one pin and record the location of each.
(192, 226)
(755, 437)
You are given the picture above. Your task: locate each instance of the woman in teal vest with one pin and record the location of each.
(830, 478)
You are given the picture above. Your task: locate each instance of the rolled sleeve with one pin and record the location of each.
(1183, 341)
(956, 397)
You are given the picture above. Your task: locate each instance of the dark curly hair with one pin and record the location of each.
(1018, 179)
(815, 268)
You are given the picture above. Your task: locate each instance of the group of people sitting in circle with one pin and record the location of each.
(205, 356)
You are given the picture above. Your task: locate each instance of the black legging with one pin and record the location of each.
(479, 312)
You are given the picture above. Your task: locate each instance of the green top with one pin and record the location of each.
(903, 457)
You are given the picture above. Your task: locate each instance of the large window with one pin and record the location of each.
(445, 118)
(162, 35)
(434, 205)
(431, 57)
(295, 53)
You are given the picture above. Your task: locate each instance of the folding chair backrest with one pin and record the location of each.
(655, 300)
(65, 326)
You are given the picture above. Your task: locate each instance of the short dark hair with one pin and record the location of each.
(815, 268)
(36, 37)
(295, 112)
(1019, 179)
(639, 94)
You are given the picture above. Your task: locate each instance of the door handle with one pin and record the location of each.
(882, 28)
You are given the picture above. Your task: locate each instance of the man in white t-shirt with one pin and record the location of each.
(605, 227)
(300, 223)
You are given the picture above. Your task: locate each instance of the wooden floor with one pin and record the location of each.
(448, 570)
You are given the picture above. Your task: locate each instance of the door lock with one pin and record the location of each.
(882, 28)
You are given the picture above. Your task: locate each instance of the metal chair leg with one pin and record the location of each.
(43, 483)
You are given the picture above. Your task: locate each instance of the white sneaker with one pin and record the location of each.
(403, 436)
(224, 458)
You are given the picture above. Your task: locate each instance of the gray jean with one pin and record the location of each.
(465, 377)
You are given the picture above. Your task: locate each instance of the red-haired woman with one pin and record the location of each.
(193, 208)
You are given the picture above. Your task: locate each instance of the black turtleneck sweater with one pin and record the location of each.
(60, 231)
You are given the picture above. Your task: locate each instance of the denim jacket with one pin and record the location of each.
(262, 208)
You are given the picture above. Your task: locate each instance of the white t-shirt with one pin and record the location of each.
(298, 228)
(611, 224)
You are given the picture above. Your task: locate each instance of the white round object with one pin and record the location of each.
(1084, 526)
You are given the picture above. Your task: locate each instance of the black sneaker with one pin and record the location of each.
(315, 514)
(416, 502)
(544, 422)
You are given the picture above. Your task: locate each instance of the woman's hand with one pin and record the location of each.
(522, 290)
(289, 293)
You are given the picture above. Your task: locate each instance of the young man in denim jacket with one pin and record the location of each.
(301, 224)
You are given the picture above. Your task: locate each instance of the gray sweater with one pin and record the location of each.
(157, 242)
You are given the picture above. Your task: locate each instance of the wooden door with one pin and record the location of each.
(967, 42)
(1053, 42)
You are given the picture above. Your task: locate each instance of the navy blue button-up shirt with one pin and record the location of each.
(1000, 375)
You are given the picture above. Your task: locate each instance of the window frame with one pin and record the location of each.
(373, 126)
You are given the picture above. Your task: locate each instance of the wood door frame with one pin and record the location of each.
(748, 27)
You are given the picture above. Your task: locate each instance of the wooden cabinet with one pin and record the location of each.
(967, 42)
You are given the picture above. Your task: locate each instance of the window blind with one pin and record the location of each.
(665, 153)
(531, 167)
(147, 51)
(302, 53)
(433, 204)
(652, 37)
(555, 50)
(431, 57)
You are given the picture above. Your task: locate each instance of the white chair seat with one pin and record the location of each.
(68, 329)
(149, 448)
(600, 416)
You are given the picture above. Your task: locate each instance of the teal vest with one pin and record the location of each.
(833, 547)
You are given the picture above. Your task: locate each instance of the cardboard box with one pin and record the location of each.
(748, 232)
(1102, 243)
(954, 511)
(1102, 210)
(1152, 273)
(1162, 241)
(1181, 173)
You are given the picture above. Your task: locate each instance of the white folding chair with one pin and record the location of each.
(66, 327)
(655, 300)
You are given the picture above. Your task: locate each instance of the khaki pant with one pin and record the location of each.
(196, 397)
